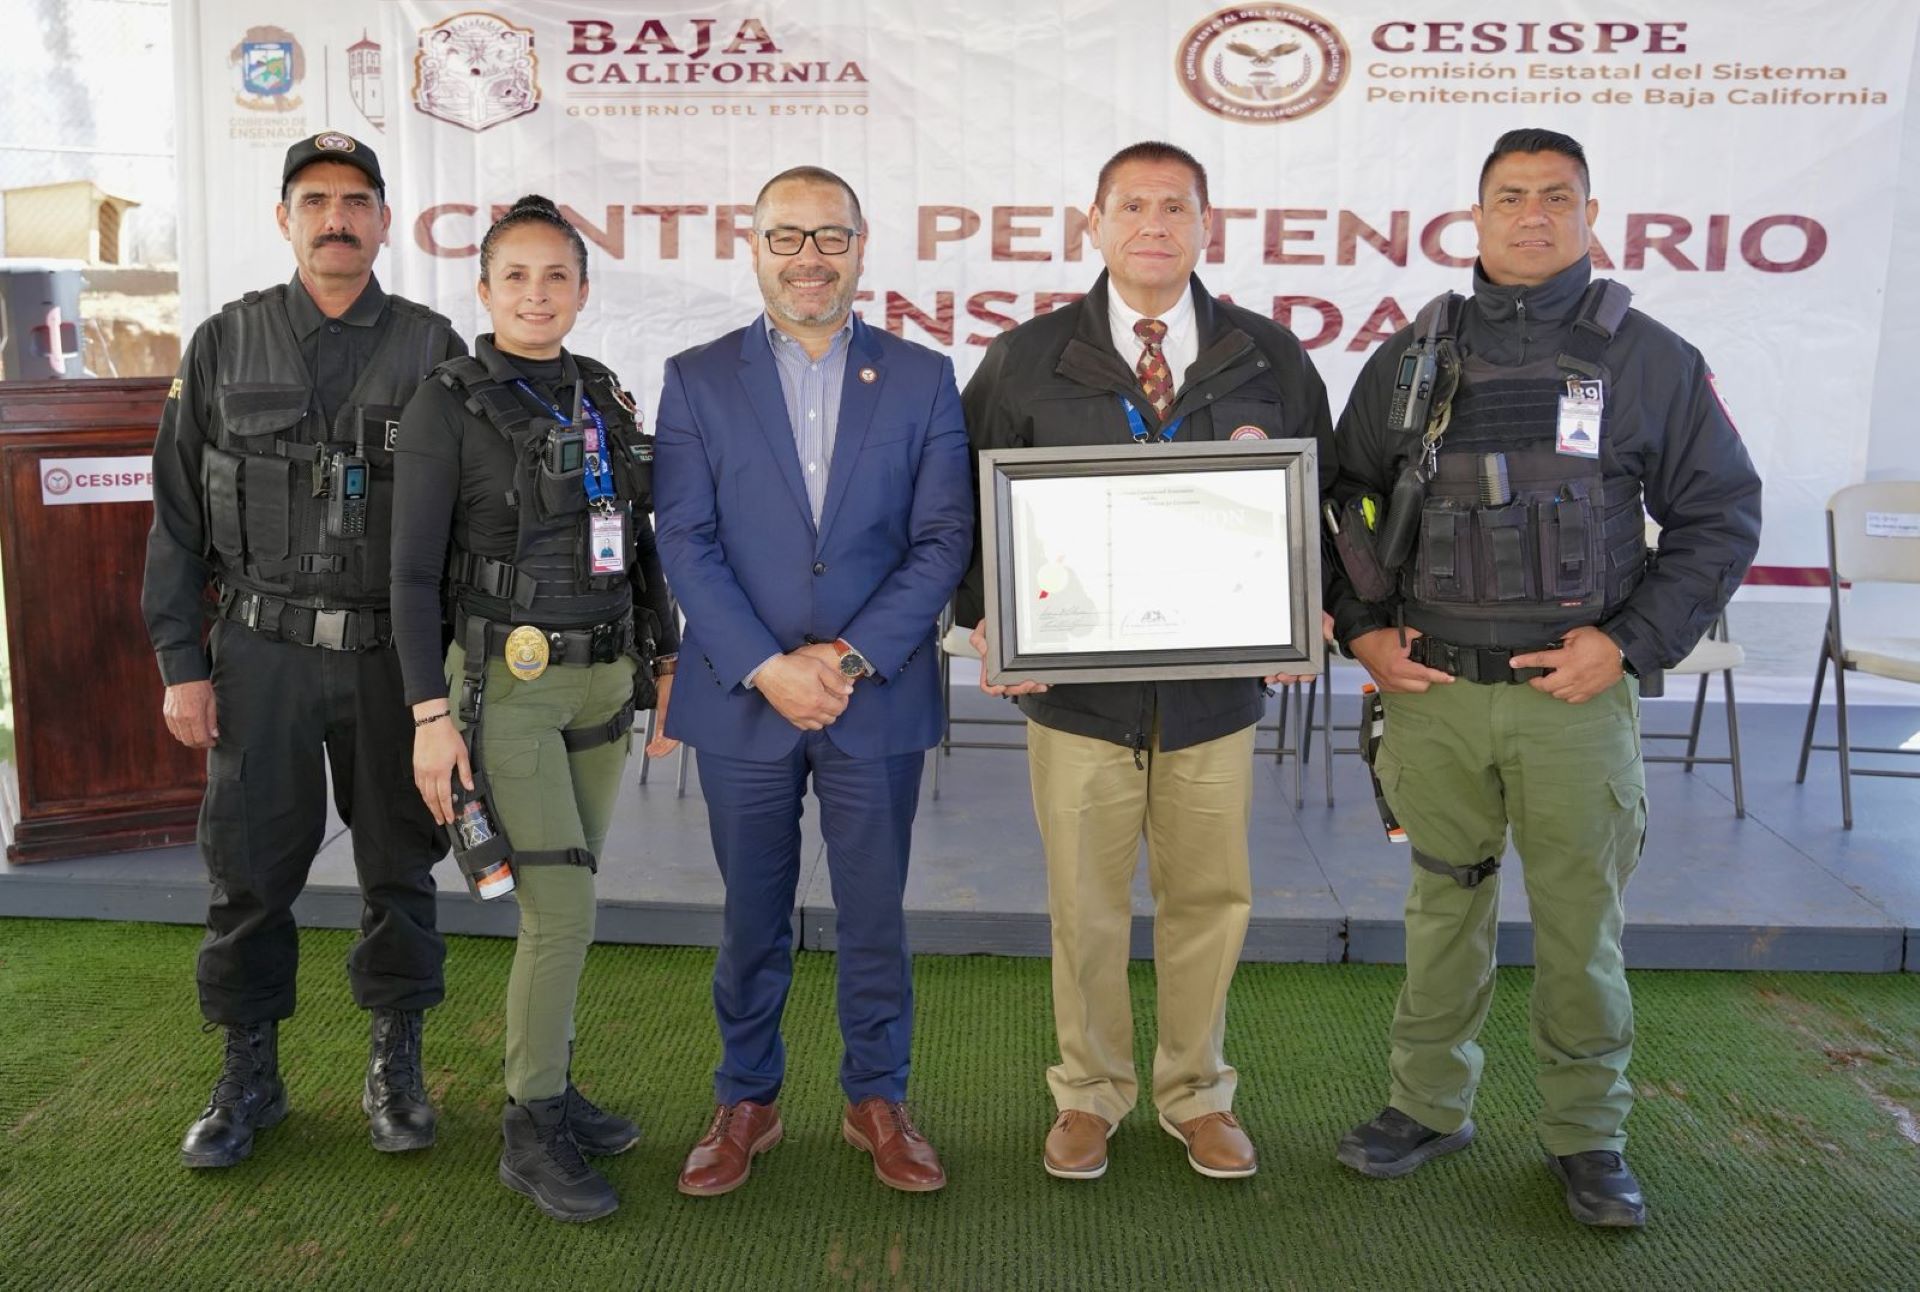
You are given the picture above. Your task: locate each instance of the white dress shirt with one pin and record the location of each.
(1180, 346)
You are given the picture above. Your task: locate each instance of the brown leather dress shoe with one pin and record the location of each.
(1077, 1145)
(1216, 1146)
(902, 1157)
(719, 1163)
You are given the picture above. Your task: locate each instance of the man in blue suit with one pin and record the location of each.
(814, 517)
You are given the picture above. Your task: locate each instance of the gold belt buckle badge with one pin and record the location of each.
(526, 652)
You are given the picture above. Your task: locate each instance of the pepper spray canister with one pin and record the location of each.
(480, 846)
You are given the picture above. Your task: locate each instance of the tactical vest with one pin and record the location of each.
(549, 581)
(1559, 544)
(266, 474)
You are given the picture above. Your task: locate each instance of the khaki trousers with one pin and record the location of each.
(1093, 806)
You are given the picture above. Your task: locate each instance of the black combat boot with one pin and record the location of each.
(1601, 1189)
(395, 1095)
(542, 1161)
(598, 1132)
(248, 1097)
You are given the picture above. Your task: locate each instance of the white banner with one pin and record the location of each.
(1741, 153)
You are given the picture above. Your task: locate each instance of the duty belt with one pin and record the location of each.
(484, 639)
(288, 621)
(1475, 663)
(574, 647)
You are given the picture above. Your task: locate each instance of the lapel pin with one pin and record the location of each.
(869, 376)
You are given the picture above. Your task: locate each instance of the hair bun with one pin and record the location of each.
(535, 202)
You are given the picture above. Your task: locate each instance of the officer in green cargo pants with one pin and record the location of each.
(1511, 617)
(523, 485)
(1458, 763)
(551, 801)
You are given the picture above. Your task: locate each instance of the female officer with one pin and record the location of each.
(519, 477)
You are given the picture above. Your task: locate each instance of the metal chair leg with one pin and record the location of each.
(1326, 731)
(1846, 763)
(1813, 707)
(1280, 727)
(946, 722)
(1699, 711)
(1313, 692)
(653, 716)
(1733, 749)
(680, 778)
(1301, 713)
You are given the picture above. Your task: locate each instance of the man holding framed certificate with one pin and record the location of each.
(1147, 357)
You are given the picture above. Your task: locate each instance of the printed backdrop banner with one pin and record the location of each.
(1743, 156)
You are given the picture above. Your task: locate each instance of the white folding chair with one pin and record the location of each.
(954, 641)
(1873, 537)
(1714, 653)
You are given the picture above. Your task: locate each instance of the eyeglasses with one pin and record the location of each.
(828, 239)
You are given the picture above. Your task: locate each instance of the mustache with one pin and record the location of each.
(344, 239)
(787, 277)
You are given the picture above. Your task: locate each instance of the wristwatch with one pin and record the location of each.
(852, 662)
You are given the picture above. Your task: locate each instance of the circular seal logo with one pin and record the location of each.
(334, 143)
(58, 481)
(1248, 432)
(1263, 63)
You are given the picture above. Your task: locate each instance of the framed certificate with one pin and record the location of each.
(1134, 562)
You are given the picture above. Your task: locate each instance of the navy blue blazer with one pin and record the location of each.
(755, 576)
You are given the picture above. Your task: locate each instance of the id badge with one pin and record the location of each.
(1578, 434)
(607, 535)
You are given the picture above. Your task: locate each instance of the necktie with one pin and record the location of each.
(1155, 381)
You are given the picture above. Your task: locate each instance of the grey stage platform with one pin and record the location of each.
(1784, 889)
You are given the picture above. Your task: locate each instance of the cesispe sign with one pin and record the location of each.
(67, 481)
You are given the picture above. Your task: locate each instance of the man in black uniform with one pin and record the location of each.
(1519, 512)
(273, 480)
(1147, 355)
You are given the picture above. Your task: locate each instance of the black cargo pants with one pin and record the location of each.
(286, 713)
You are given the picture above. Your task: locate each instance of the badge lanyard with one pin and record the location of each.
(1138, 424)
(599, 466)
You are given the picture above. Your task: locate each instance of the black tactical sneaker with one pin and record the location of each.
(542, 1161)
(598, 1132)
(249, 1096)
(1601, 1189)
(1394, 1144)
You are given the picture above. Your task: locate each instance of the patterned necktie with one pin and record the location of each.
(1155, 380)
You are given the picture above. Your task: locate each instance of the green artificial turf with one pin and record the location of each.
(1775, 1134)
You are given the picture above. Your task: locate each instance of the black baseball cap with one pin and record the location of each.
(333, 146)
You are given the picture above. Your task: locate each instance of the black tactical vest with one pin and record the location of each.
(266, 475)
(549, 581)
(1558, 545)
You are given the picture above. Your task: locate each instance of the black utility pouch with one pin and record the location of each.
(1568, 529)
(220, 479)
(1353, 542)
(1444, 567)
(1507, 566)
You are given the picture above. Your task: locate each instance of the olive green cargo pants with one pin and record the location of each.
(1459, 763)
(548, 800)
